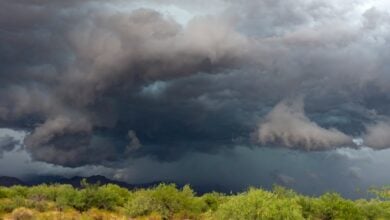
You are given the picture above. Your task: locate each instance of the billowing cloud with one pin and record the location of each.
(378, 135)
(61, 139)
(92, 81)
(70, 89)
(288, 125)
(124, 50)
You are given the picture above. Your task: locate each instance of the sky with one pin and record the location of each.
(219, 93)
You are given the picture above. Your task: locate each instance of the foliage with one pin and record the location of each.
(213, 200)
(382, 193)
(259, 204)
(167, 201)
(23, 214)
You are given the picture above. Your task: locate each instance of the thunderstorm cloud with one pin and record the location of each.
(116, 84)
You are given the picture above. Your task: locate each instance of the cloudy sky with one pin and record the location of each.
(217, 93)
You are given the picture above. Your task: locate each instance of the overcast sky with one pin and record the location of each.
(215, 93)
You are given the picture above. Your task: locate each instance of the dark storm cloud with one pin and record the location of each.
(69, 70)
(95, 83)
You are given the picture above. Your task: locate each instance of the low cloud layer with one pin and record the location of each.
(288, 125)
(378, 135)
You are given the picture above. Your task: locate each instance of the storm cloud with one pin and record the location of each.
(288, 125)
(77, 71)
(104, 83)
(377, 135)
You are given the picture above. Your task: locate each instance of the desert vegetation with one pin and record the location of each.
(167, 201)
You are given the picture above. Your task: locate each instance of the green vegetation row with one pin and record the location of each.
(166, 201)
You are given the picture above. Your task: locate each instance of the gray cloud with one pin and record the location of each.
(377, 135)
(7, 143)
(135, 143)
(144, 46)
(102, 59)
(79, 75)
(288, 125)
(283, 179)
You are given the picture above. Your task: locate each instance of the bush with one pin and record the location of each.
(105, 197)
(333, 206)
(113, 196)
(18, 191)
(68, 197)
(42, 193)
(166, 200)
(4, 192)
(259, 204)
(382, 193)
(213, 200)
(141, 204)
(374, 209)
(8, 205)
(23, 214)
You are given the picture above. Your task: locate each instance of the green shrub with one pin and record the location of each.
(333, 206)
(4, 192)
(141, 204)
(259, 204)
(67, 197)
(166, 200)
(98, 197)
(382, 193)
(43, 192)
(213, 200)
(18, 191)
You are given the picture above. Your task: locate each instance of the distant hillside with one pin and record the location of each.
(102, 180)
(74, 181)
(10, 181)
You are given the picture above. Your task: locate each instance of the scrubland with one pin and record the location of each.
(167, 201)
